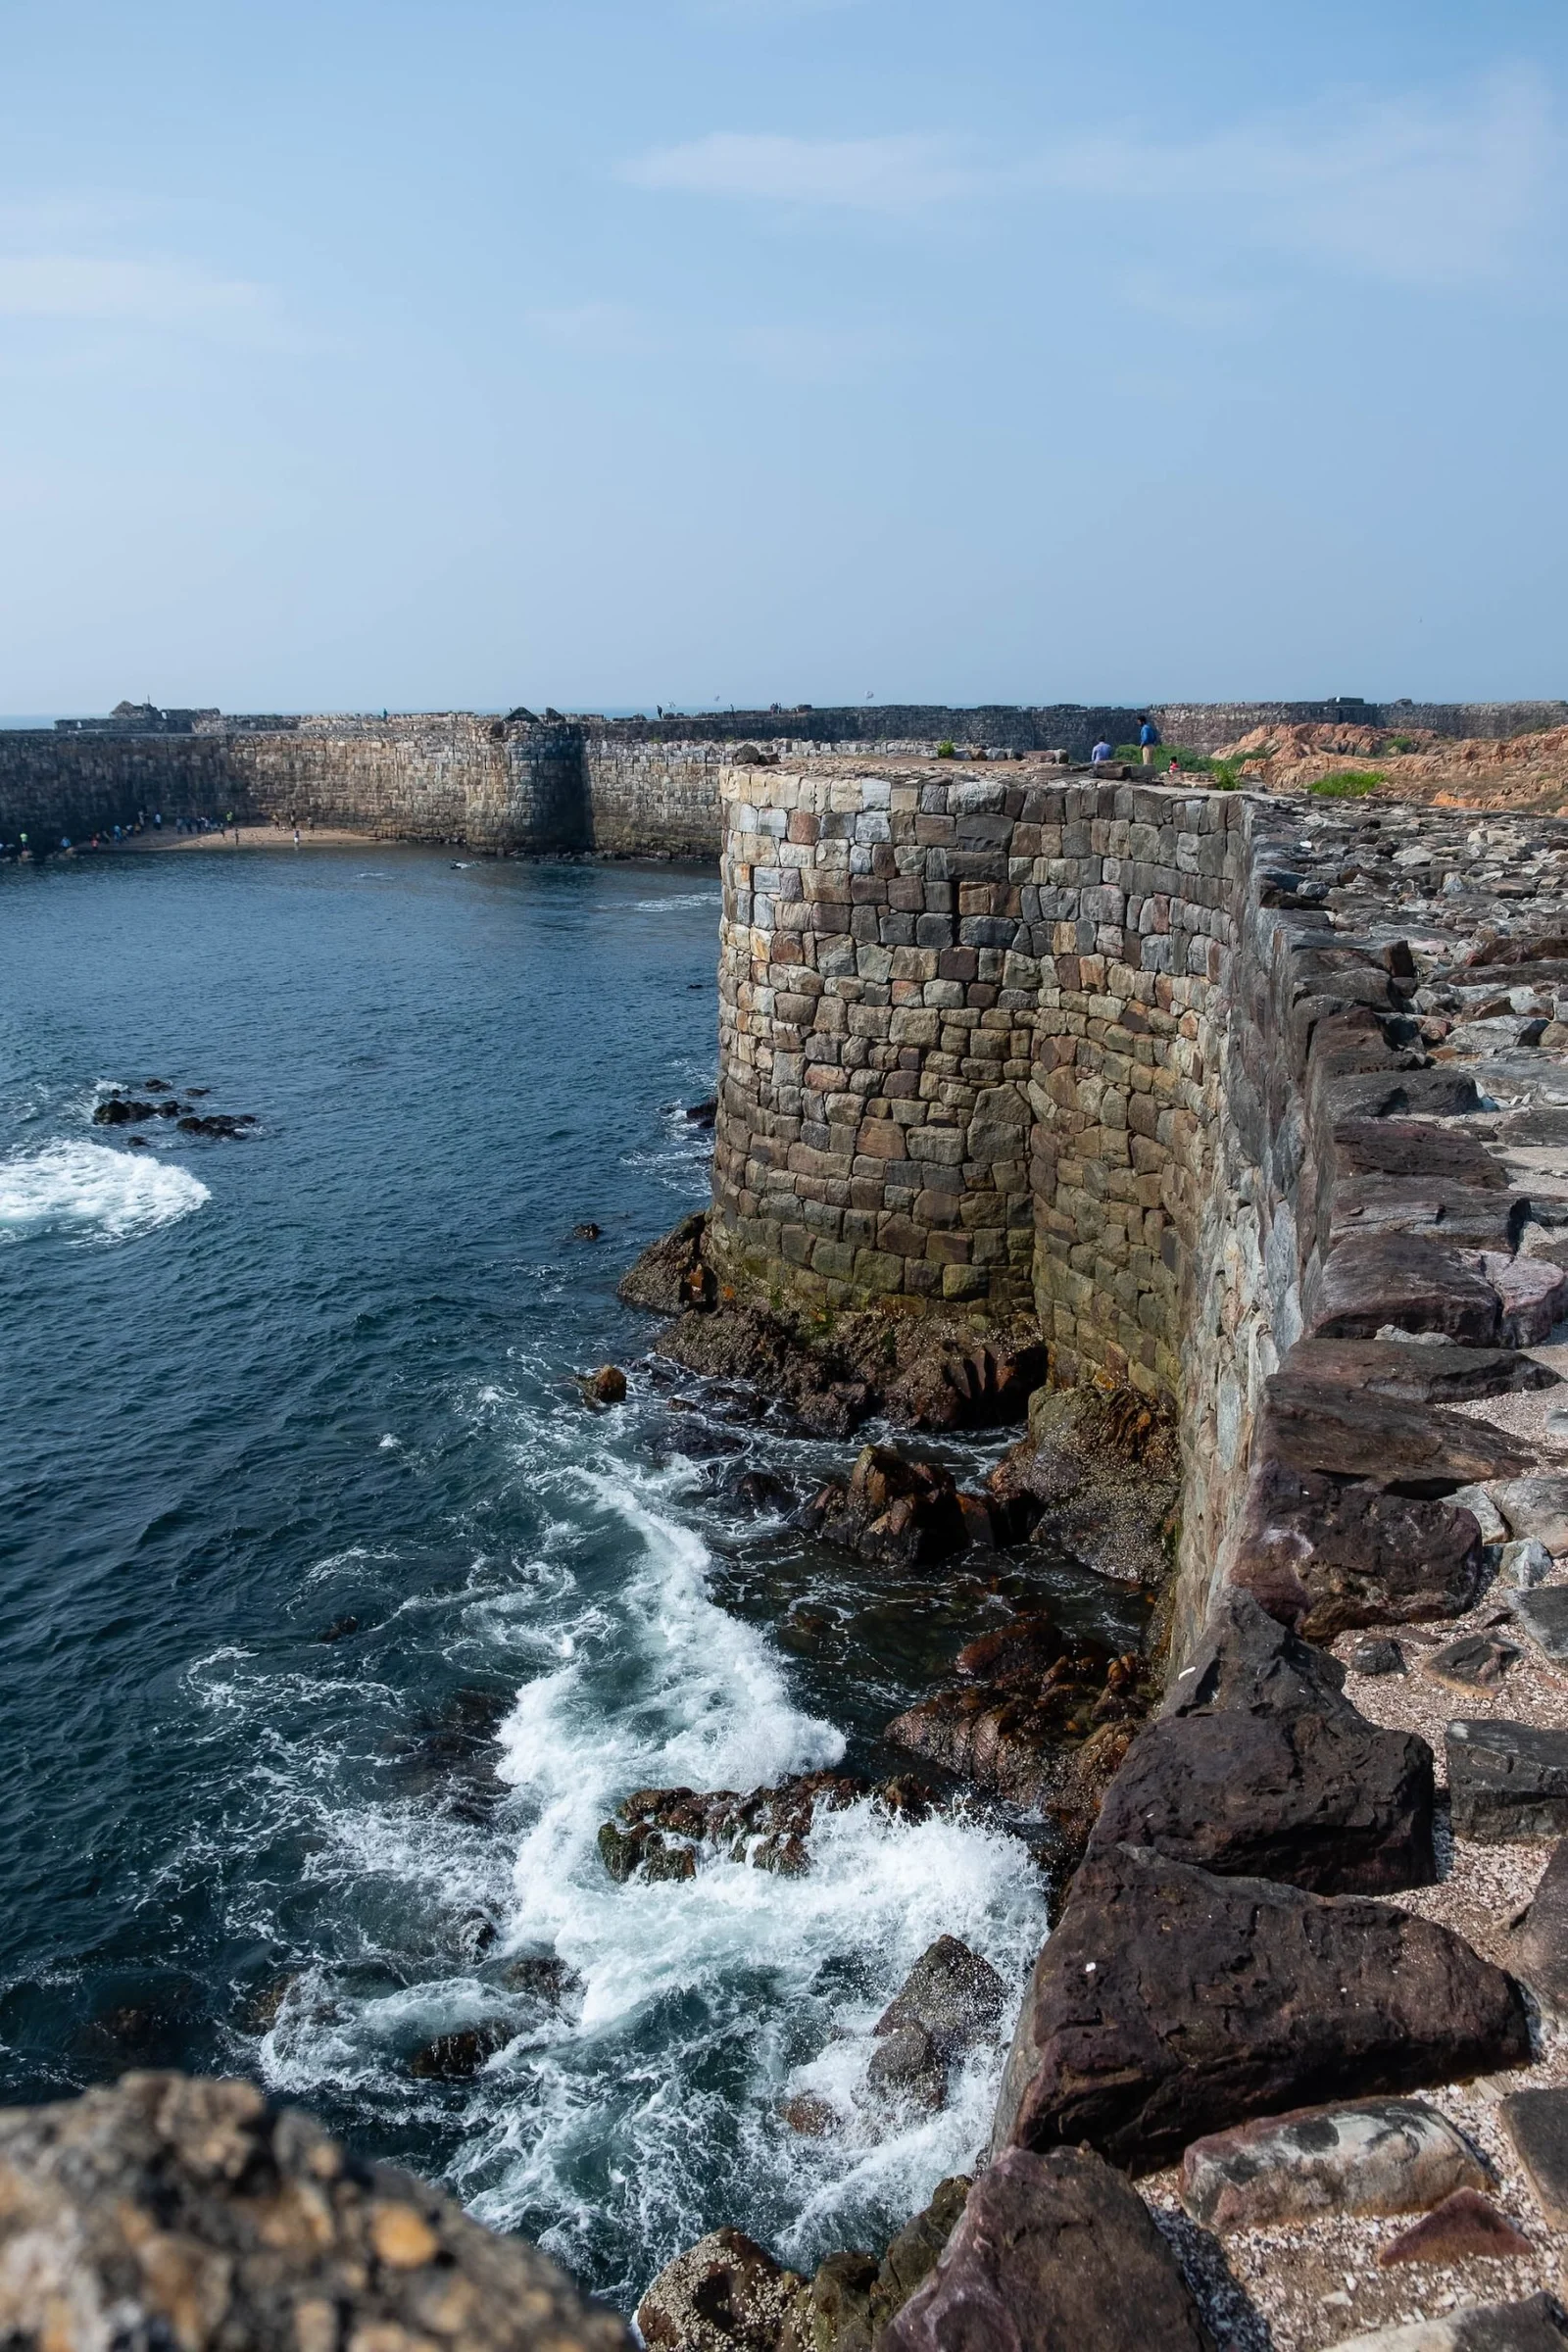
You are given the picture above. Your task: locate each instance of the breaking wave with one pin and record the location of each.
(91, 1193)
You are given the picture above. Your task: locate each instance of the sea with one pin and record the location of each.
(334, 1622)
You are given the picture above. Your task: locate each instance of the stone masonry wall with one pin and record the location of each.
(1092, 1047)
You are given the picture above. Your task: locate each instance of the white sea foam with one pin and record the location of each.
(91, 1193)
(685, 898)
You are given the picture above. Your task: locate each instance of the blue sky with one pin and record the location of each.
(615, 351)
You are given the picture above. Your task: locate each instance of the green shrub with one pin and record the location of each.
(947, 751)
(1403, 743)
(1349, 784)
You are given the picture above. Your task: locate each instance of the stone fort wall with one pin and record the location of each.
(619, 787)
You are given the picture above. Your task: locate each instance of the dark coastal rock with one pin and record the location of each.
(1544, 1615)
(1377, 1657)
(1537, 2123)
(658, 1833)
(587, 1230)
(906, 2065)
(1406, 1280)
(952, 1995)
(854, 2296)
(455, 2057)
(1318, 1799)
(1245, 1658)
(220, 1126)
(1328, 1556)
(1507, 1780)
(1259, 1766)
(1409, 1093)
(1169, 2003)
(1459, 1215)
(671, 1273)
(1431, 1372)
(1367, 2156)
(1534, 1292)
(1464, 2225)
(896, 1513)
(986, 1384)
(121, 1112)
(1410, 1148)
(1098, 1477)
(1540, 1949)
(1051, 2251)
(1349, 1432)
(170, 2212)
(1476, 1663)
(1042, 1718)
(702, 1115)
(607, 1386)
(724, 2294)
(815, 1385)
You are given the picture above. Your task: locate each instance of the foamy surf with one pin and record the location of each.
(91, 1193)
(647, 2106)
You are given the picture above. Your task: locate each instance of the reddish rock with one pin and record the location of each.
(1169, 2002)
(1465, 2225)
(1347, 1432)
(1326, 1556)
(1403, 1280)
(1051, 2251)
(896, 1513)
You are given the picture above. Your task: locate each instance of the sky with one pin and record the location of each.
(432, 353)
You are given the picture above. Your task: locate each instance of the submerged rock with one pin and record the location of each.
(455, 2057)
(1051, 2251)
(659, 1832)
(167, 2211)
(1170, 2003)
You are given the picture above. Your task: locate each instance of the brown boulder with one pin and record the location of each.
(896, 1513)
(1426, 1372)
(1169, 2003)
(1349, 1432)
(1406, 1280)
(662, 1279)
(1326, 1556)
(1049, 2252)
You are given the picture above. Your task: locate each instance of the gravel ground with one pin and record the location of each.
(1314, 2284)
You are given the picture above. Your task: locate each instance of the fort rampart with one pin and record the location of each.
(633, 787)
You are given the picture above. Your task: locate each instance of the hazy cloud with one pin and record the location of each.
(166, 295)
(902, 172)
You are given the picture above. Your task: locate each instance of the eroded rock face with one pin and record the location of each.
(171, 2212)
(1326, 1556)
(1051, 2251)
(1370, 2156)
(1170, 2003)
(724, 2294)
(892, 1510)
(659, 1832)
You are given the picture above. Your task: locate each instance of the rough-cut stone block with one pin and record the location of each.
(1402, 1280)
(1049, 2252)
(1322, 1801)
(1507, 1780)
(1312, 1425)
(1537, 2123)
(1169, 2002)
(1534, 2326)
(1428, 1372)
(1370, 2156)
(1326, 1556)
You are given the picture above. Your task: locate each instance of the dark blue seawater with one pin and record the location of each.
(251, 1391)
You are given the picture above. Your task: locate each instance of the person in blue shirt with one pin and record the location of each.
(1100, 755)
(1148, 740)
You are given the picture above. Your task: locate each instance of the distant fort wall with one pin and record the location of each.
(630, 787)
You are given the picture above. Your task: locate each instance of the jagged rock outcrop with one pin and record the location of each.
(1169, 2003)
(170, 2212)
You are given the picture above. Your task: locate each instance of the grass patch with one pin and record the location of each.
(1349, 784)
(947, 751)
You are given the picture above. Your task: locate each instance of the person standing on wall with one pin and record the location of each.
(1147, 738)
